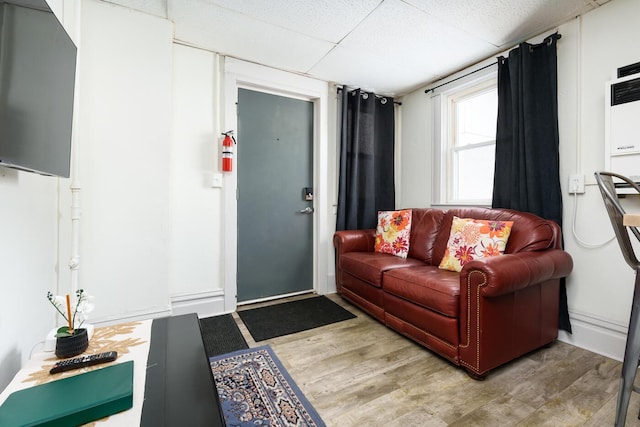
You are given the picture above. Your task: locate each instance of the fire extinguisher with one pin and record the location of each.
(227, 151)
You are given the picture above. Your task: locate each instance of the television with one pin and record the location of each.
(37, 81)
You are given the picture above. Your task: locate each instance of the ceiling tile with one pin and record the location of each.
(152, 7)
(420, 43)
(355, 68)
(503, 23)
(229, 32)
(328, 20)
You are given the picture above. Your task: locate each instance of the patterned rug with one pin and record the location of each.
(256, 390)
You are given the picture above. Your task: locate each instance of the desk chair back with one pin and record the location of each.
(616, 212)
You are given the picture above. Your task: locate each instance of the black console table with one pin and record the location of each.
(179, 389)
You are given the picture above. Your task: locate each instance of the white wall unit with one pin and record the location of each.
(622, 126)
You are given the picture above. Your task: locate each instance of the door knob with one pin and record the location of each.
(308, 210)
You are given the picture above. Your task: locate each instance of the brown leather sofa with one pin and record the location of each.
(495, 310)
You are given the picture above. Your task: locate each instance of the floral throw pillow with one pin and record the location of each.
(392, 232)
(473, 239)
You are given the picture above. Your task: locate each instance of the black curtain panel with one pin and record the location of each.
(366, 183)
(527, 171)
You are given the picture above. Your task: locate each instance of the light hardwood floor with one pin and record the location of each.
(360, 373)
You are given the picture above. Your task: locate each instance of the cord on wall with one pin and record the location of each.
(575, 234)
(34, 347)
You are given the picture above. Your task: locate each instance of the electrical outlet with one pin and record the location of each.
(576, 184)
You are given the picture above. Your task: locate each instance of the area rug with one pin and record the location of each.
(290, 317)
(220, 335)
(256, 390)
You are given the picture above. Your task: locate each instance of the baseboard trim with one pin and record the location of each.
(131, 317)
(595, 334)
(331, 284)
(204, 304)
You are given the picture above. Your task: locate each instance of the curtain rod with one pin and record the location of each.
(460, 77)
(556, 35)
(340, 89)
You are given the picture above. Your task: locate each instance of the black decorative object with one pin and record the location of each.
(72, 345)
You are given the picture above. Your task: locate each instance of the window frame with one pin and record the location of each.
(443, 102)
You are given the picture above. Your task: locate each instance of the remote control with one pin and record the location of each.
(81, 362)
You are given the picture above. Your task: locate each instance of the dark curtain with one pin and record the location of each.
(366, 182)
(527, 173)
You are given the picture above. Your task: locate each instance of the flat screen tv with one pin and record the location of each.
(37, 79)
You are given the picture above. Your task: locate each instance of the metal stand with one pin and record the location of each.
(631, 358)
(617, 216)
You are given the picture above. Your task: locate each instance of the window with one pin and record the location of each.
(465, 136)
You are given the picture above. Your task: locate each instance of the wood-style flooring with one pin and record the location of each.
(360, 373)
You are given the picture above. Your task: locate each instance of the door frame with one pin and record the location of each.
(239, 74)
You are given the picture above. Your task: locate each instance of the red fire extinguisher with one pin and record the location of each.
(227, 151)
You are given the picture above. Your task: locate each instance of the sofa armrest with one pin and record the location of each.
(509, 306)
(512, 272)
(354, 241)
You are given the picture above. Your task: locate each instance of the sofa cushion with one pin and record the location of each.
(428, 286)
(369, 266)
(425, 224)
(393, 232)
(473, 239)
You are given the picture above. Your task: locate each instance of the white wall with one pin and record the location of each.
(28, 264)
(196, 279)
(591, 48)
(601, 285)
(416, 161)
(124, 137)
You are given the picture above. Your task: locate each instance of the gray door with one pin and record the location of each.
(275, 206)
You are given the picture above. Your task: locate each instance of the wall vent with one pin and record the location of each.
(626, 91)
(628, 70)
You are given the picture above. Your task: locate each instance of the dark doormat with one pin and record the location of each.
(221, 335)
(290, 317)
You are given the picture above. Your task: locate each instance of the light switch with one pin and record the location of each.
(216, 180)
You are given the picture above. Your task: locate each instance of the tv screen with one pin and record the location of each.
(37, 78)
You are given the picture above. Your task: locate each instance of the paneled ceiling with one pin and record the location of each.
(390, 47)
